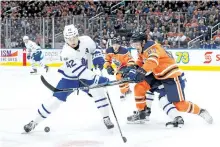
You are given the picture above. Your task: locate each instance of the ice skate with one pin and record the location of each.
(139, 117)
(34, 71)
(177, 122)
(206, 116)
(108, 123)
(122, 97)
(29, 127)
(46, 68)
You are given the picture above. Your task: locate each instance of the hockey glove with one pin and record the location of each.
(137, 75)
(110, 70)
(97, 59)
(28, 56)
(125, 70)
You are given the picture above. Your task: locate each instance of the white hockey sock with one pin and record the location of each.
(168, 107)
(149, 98)
(33, 65)
(41, 63)
(100, 101)
(47, 108)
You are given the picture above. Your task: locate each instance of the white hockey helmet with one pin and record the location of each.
(70, 31)
(25, 38)
(71, 34)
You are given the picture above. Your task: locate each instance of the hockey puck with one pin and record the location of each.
(124, 139)
(47, 129)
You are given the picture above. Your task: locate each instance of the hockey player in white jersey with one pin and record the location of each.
(78, 55)
(35, 55)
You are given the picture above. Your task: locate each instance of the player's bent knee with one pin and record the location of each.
(181, 106)
(97, 92)
(140, 90)
(103, 80)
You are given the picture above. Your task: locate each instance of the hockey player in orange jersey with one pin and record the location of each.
(153, 58)
(121, 57)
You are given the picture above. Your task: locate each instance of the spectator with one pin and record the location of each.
(216, 38)
(163, 20)
(166, 44)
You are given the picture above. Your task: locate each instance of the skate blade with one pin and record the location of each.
(34, 73)
(25, 133)
(137, 122)
(172, 126)
(123, 99)
(209, 121)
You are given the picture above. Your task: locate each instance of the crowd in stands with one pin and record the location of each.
(172, 24)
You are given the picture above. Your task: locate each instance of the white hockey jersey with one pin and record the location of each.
(32, 46)
(78, 62)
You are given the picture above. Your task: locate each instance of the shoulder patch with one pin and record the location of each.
(148, 44)
(87, 50)
(122, 50)
(109, 50)
(65, 58)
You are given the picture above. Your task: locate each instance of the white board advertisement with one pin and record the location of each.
(11, 55)
(194, 57)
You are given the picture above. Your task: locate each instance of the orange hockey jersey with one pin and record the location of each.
(120, 59)
(156, 59)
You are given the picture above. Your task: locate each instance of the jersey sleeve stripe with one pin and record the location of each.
(169, 74)
(131, 62)
(62, 72)
(153, 56)
(153, 59)
(77, 68)
(81, 72)
(167, 70)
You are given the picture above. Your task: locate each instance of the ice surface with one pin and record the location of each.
(78, 123)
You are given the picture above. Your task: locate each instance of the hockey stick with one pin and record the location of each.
(119, 128)
(53, 89)
(113, 110)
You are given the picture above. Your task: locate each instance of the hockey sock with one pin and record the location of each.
(140, 102)
(41, 63)
(186, 106)
(149, 98)
(168, 107)
(33, 65)
(47, 108)
(100, 101)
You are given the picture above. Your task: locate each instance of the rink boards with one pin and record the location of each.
(207, 60)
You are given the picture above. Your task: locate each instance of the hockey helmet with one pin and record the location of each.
(25, 39)
(116, 41)
(71, 34)
(116, 44)
(138, 37)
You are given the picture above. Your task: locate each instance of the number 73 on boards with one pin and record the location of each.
(182, 57)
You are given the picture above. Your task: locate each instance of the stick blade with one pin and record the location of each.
(52, 88)
(48, 85)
